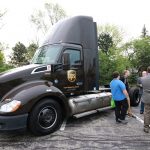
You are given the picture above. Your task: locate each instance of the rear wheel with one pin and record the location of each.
(45, 118)
(134, 96)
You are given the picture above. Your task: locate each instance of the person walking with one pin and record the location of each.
(139, 84)
(121, 98)
(146, 99)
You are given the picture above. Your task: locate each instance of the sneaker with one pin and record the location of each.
(118, 121)
(146, 130)
(141, 112)
(124, 121)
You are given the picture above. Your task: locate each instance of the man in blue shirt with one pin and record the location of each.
(121, 98)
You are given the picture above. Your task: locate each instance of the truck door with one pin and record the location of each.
(70, 79)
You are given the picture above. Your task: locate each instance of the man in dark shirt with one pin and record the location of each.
(124, 79)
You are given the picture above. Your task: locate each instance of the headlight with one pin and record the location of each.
(10, 106)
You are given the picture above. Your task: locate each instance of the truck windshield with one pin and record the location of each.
(47, 54)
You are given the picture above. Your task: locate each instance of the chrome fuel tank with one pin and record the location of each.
(89, 102)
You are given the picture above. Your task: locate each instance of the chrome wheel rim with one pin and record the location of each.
(47, 117)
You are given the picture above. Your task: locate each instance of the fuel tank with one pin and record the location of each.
(89, 102)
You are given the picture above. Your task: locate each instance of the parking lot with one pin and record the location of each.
(97, 131)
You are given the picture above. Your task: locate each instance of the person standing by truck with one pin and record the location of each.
(124, 79)
(146, 99)
(121, 98)
(139, 84)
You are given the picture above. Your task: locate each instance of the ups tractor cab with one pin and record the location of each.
(62, 81)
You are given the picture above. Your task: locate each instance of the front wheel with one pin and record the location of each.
(45, 118)
(134, 96)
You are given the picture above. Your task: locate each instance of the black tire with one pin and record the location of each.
(134, 96)
(45, 118)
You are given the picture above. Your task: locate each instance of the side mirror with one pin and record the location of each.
(66, 59)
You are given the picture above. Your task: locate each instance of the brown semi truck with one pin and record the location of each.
(61, 81)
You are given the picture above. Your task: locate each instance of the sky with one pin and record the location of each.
(129, 15)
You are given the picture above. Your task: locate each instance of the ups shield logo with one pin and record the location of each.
(71, 75)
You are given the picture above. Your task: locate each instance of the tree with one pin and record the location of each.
(55, 12)
(38, 20)
(114, 32)
(1, 45)
(19, 55)
(1, 58)
(109, 41)
(141, 55)
(1, 54)
(105, 42)
(3, 65)
(31, 50)
(52, 13)
(144, 32)
(1, 17)
(113, 61)
(127, 48)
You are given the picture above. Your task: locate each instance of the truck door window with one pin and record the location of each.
(75, 56)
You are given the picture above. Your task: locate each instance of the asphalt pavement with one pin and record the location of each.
(94, 132)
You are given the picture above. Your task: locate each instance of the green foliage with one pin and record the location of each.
(127, 49)
(114, 59)
(22, 55)
(31, 50)
(141, 57)
(105, 42)
(5, 67)
(104, 67)
(133, 79)
(1, 58)
(138, 54)
(18, 57)
(115, 32)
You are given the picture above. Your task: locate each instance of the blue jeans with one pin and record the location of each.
(142, 107)
(142, 104)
